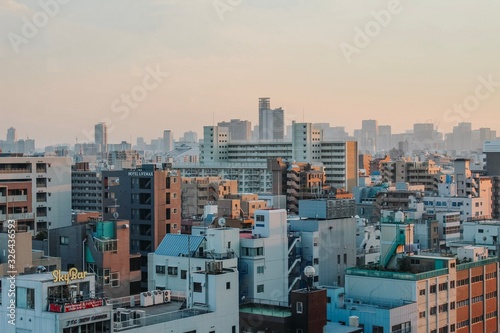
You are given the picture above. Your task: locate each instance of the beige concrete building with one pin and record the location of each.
(200, 191)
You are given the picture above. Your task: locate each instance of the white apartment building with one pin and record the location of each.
(264, 267)
(218, 155)
(170, 264)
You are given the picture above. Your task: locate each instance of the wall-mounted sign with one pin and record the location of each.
(88, 319)
(140, 174)
(73, 274)
(83, 305)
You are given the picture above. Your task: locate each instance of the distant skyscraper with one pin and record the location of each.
(168, 141)
(101, 140)
(271, 122)
(238, 129)
(424, 136)
(190, 136)
(462, 137)
(384, 137)
(11, 135)
(369, 133)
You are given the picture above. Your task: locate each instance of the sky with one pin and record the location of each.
(150, 65)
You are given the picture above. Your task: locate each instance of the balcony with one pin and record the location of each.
(13, 198)
(17, 216)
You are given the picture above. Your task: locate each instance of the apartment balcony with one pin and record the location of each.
(13, 198)
(17, 216)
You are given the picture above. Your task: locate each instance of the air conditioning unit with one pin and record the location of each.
(147, 298)
(158, 296)
(168, 296)
(140, 318)
(125, 318)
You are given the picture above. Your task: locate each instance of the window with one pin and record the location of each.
(25, 298)
(377, 329)
(338, 259)
(259, 218)
(432, 289)
(477, 278)
(443, 286)
(260, 288)
(421, 292)
(299, 307)
(228, 285)
(452, 305)
(64, 240)
(421, 314)
(115, 279)
(197, 287)
(260, 269)
(433, 310)
(160, 269)
(452, 284)
(443, 308)
(183, 274)
(172, 270)
(443, 329)
(345, 258)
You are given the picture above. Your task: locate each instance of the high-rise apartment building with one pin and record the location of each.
(247, 161)
(86, 191)
(101, 139)
(150, 198)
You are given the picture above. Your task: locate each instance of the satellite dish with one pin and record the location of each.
(222, 222)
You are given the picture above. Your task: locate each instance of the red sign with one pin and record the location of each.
(55, 308)
(83, 305)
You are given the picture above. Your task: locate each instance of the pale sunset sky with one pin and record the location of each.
(65, 65)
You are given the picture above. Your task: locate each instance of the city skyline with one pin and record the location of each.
(191, 65)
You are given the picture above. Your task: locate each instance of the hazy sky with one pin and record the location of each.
(222, 55)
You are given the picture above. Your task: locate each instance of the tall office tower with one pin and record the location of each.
(140, 143)
(101, 139)
(369, 130)
(462, 137)
(11, 135)
(384, 137)
(239, 130)
(271, 121)
(424, 136)
(168, 141)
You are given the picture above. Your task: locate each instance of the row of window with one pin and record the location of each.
(491, 314)
(477, 278)
(491, 275)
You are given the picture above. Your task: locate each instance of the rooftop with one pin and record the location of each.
(266, 308)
